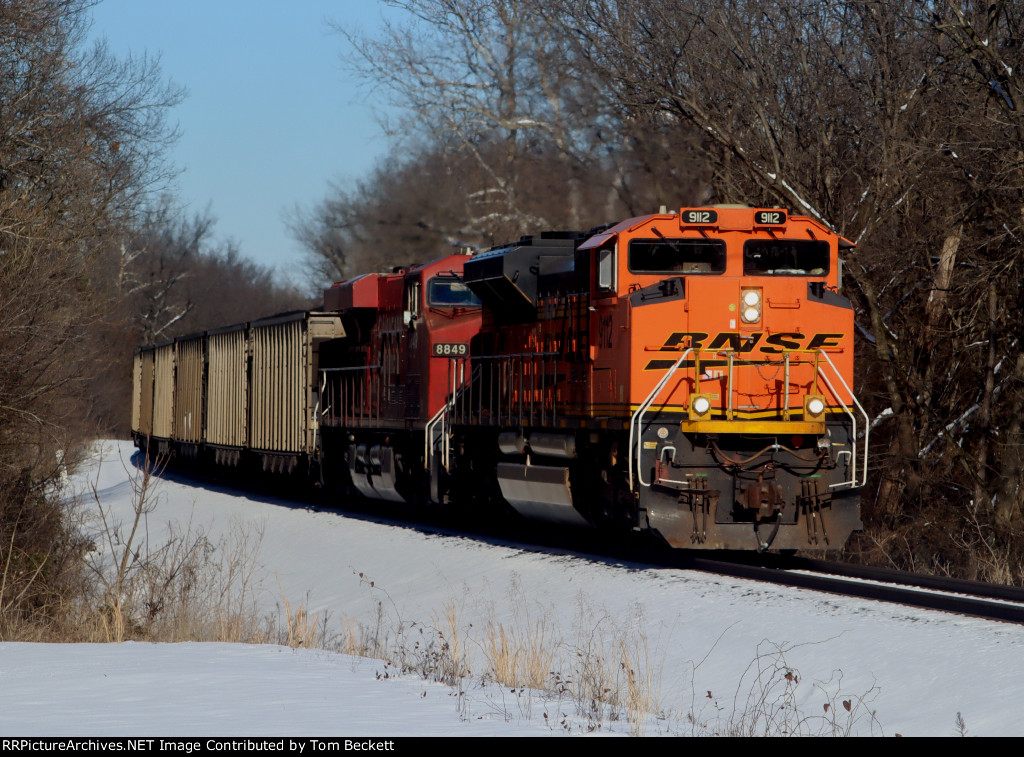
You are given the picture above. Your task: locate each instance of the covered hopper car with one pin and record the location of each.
(684, 373)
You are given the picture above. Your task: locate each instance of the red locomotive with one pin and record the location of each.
(688, 373)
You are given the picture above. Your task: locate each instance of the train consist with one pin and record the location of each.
(686, 373)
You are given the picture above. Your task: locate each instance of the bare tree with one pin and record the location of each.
(899, 126)
(409, 209)
(81, 140)
(503, 135)
(490, 80)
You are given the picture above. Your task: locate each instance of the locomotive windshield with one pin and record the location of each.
(450, 292)
(785, 257)
(690, 256)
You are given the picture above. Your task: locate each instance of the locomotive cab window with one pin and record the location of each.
(606, 268)
(785, 257)
(689, 256)
(450, 292)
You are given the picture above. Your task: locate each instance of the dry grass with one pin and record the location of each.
(519, 656)
(128, 586)
(351, 640)
(450, 656)
(608, 676)
(301, 629)
(186, 587)
(639, 685)
(772, 699)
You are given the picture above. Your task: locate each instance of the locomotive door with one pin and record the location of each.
(609, 338)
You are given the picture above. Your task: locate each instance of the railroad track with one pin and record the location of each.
(973, 598)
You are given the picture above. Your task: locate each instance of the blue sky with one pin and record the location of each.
(271, 117)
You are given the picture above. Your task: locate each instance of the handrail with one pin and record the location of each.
(459, 386)
(637, 419)
(317, 413)
(348, 377)
(858, 457)
(867, 425)
(350, 368)
(428, 446)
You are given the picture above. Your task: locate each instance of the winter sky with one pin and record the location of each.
(270, 118)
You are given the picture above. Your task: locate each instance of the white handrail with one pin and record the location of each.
(428, 447)
(459, 385)
(636, 423)
(637, 418)
(867, 423)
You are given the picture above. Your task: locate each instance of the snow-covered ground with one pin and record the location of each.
(704, 650)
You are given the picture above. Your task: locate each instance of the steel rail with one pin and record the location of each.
(973, 598)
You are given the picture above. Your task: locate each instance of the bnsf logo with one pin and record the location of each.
(772, 344)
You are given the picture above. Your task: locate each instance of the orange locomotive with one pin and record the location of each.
(688, 373)
(684, 372)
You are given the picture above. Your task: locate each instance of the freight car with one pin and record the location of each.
(686, 373)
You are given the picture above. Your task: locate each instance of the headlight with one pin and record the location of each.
(814, 406)
(701, 405)
(751, 300)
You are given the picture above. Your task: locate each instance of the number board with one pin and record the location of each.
(449, 349)
(770, 217)
(700, 216)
